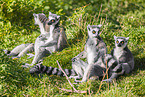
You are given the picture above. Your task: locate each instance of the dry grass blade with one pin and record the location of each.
(75, 90)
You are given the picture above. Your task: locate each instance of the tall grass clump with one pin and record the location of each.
(120, 17)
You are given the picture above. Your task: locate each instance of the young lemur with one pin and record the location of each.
(55, 40)
(124, 57)
(20, 50)
(122, 54)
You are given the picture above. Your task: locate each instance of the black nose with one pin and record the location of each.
(119, 45)
(49, 23)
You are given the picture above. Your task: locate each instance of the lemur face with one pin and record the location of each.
(121, 41)
(93, 30)
(53, 19)
(39, 18)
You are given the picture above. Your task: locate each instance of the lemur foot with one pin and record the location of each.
(75, 77)
(78, 81)
(107, 80)
(30, 55)
(6, 51)
(27, 65)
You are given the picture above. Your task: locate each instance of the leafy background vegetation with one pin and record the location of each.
(118, 17)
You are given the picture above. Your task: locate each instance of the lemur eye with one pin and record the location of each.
(94, 32)
(117, 41)
(122, 42)
(52, 21)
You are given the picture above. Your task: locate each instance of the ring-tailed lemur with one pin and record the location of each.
(57, 39)
(54, 41)
(95, 50)
(123, 56)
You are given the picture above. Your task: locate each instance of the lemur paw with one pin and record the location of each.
(30, 55)
(78, 81)
(26, 65)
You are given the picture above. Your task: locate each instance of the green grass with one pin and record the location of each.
(124, 18)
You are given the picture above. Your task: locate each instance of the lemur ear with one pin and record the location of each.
(34, 14)
(43, 14)
(88, 27)
(50, 13)
(99, 25)
(58, 17)
(115, 37)
(127, 38)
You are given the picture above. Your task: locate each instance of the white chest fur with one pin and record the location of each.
(90, 55)
(118, 52)
(51, 34)
(42, 30)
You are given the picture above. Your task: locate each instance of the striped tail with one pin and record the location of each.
(42, 17)
(41, 69)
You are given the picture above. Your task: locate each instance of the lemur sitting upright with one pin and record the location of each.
(123, 56)
(20, 50)
(95, 50)
(53, 41)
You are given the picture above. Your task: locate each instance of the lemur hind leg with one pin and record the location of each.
(42, 53)
(38, 56)
(92, 71)
(29, 48)
(115, 73)
(126, 68)
(79, 67)
(97, 71)
(86, 73)
(30, 55)
(18, 49)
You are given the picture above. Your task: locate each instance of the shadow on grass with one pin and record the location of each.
(139, 62)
